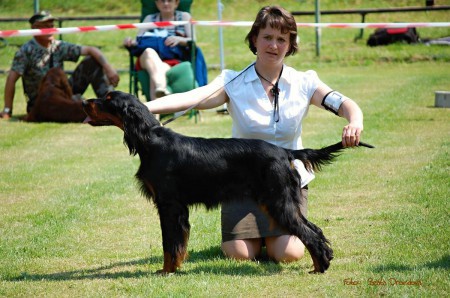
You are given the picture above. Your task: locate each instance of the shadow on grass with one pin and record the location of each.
(127, 269)
(442, 263)
(211, 261)
(111, 271)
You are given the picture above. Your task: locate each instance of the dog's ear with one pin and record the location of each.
(136, 126)
(137, 121)
(131, 129)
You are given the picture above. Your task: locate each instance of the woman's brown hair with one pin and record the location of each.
(277, 18)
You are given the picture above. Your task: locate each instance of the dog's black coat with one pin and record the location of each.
(177, 171)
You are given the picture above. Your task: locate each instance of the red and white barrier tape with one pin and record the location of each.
(70, 30)
(333, 25)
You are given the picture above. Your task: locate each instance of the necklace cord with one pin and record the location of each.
(275, 92)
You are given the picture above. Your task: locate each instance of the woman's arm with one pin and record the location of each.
(207, 97)
(351, 133)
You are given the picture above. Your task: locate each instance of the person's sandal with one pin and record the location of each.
(6, 114)
(161, 92)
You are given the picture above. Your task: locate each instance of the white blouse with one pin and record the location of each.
(253, 113)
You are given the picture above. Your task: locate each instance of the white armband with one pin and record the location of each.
(333, 101)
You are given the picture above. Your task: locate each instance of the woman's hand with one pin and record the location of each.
(128, 42)
(351, 134)
(173, 41)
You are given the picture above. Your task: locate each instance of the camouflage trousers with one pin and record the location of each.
(89, 72)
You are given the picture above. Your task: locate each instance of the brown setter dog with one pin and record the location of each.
(54, 102)
(177, 171)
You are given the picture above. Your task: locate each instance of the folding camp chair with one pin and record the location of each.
(180, 78)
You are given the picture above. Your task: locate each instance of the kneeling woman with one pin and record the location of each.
(268, 100)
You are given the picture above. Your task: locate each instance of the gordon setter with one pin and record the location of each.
(54, 101)
(177, 171)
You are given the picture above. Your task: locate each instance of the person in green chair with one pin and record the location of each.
(150, 59)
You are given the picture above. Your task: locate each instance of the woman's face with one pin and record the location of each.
(167, 6)
(271, 45)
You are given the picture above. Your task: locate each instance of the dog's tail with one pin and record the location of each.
(314, 159)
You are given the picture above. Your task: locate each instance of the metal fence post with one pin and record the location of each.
(318, 30)
(36, 6)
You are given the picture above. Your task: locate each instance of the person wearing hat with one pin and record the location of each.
(36, 57)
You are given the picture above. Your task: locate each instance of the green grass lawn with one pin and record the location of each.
(73, 222)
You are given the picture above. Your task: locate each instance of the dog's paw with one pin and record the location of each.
(322, 258)
(320, 267)
(316, 272)
(164, 273)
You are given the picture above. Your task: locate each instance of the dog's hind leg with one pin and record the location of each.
(320, 250)
(175, 228)
(287, 214)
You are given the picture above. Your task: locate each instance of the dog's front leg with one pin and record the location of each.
(175, 228)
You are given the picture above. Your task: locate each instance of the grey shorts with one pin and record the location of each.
(245, 220)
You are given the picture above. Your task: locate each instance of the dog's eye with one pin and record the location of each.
(108, 97)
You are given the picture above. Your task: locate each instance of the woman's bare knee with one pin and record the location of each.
(150, 61)
(285, 248)
(247, 249)
(149, 53)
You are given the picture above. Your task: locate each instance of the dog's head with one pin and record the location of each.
(124, 111)
(119, 109)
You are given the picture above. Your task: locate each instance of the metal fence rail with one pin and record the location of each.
(364, 12)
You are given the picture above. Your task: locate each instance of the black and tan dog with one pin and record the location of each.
(177, 171)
